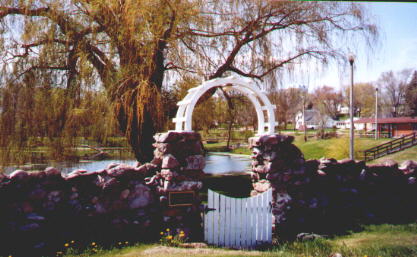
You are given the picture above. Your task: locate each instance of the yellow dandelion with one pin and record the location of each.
(66, 244)
(182, 235)
(93, 243)
(169, 237)
(161, 233)
(126, 242)
(72, 241)
(167, 229)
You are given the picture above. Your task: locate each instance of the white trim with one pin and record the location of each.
(183, 119)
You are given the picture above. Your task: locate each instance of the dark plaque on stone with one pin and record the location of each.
(185, 198)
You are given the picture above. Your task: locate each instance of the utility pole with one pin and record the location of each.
(376, 112)
(351, 145)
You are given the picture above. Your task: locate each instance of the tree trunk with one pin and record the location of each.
(229, 129)
(140, 115)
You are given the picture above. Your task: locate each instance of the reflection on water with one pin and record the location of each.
(215, 164)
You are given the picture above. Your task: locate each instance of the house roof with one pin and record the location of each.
(388, 120)
(311, 115)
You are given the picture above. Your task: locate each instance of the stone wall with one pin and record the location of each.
(41, 211)
(327, 196)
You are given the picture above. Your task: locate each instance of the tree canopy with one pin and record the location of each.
(131, 48)
(393, 86)
(411, 95)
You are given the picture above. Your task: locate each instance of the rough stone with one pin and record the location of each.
(35, 217)
(408, 167)
(140, 197)
(168, 174)
(51, 171)
(124, 194)
(30, 227)
(262, 185)
(170, 162)
(19, 175)
(253, 142)
(195, 162)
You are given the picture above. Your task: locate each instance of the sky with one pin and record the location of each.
(397, 49)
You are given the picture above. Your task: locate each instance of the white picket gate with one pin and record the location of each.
(238, 222)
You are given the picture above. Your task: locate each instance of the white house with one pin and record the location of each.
(313, 120)
(343, 109)
(345, 124)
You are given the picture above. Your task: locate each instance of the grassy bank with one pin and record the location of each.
(407, 154)
(376, 240)
(337, 148)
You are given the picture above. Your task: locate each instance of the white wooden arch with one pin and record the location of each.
(183, 119)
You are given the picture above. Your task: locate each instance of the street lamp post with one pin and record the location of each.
(351, 145)
(303, 94)
(376, 112)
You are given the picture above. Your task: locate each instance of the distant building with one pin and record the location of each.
(343, 109)
(313, 120)
(345, 124)
(394, 127)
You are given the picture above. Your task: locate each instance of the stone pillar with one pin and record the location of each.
(276, 164)
(180, 161)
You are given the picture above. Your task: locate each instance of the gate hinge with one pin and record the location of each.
(207, 209)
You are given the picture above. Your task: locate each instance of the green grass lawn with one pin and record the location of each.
(376, 240)
(337, 148)
(407, 154)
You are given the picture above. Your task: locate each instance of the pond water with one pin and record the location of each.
(215, 164)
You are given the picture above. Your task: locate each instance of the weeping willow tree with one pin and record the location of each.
(30, 122)
(131, 48)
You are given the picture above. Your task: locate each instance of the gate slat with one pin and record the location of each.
(243, 225)
(233, 222)
(264, 216)
(258, 218)
(216, 218)
(259, 223)
(238, 230)
(210, 217)
(222, 213)
(269, 216)
(253, 221)
(265, 211)
(249, 225)
(228, 222)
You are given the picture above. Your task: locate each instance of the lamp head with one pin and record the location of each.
(351, 58)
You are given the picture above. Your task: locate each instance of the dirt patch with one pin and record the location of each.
(174, 251)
